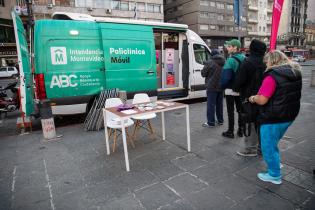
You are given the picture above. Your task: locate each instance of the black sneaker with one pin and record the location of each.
(219, 123)
(207, 125)
(240, 132)
(228, 134)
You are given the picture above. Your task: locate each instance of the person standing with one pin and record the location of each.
(229, 71)
(279, 97)
(247, 82)
(212, 71)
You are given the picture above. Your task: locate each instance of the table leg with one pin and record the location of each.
(163, 125)
(125, 144)
(188, 128)
(106, 132)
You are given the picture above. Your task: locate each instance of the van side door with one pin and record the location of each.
(130, 62)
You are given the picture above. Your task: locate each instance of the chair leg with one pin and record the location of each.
(115, 140)
(109, 133)
(135, 129)
(129, 139)
(151, 128)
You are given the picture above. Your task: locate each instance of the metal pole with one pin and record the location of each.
(239, 22)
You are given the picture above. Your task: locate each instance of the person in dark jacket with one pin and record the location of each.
(212, 71)
(279, 97)
(247, 83)
(230, 69)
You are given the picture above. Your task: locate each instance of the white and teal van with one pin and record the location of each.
(76, 56)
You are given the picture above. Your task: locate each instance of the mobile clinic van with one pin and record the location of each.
(77, 56)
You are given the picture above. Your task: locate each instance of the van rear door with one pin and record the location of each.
(129, 58)
(26, 77)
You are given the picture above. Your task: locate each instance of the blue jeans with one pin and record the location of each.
(270, 135)
(214, 105)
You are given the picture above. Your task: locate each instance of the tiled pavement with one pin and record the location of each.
(76, 173)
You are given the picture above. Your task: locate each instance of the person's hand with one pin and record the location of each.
(252, 99)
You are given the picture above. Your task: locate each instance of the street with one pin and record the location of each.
(75, 172)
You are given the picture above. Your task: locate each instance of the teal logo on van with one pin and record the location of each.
(58, 55)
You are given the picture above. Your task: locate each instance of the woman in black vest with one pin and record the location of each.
(279, 97)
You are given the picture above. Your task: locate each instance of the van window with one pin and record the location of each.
(11, 69)
(3, 69)
(201, 53)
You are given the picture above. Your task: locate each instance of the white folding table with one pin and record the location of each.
(122, 117)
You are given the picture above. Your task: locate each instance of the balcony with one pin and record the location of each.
(253, 33)
(253, 7)
(252, 20)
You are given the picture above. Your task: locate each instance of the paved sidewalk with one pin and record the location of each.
(76, 173)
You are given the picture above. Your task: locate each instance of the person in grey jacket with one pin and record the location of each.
(212, 72)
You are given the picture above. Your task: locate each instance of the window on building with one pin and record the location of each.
(229, 17)
(157, 8)
(99, 4)
(259, 28)
(132, 5)
(180, 7)
(141, 6)
(124, 5)
(212, 15)
(203, 14)
(229, 7)
(116, 5)
(204, 3)
(221, 28)
(212, 4)
(230, 28)
(204, 27)
(212, 27)
(150, 7)
(220, 17)
(1, 3)
(201, 53)
(220, 5)
(264, 29)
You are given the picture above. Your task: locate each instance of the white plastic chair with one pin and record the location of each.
(142, 119)
(114, 123)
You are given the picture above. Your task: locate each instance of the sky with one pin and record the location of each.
(310, 10)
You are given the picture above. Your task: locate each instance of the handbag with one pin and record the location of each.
(248, 115)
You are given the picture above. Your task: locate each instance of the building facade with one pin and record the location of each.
(259, 20)
(292, 24)
(310, 36)
(8, 54)
(212, 20)
(151, 10)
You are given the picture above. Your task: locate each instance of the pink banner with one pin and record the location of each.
(276, 14)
